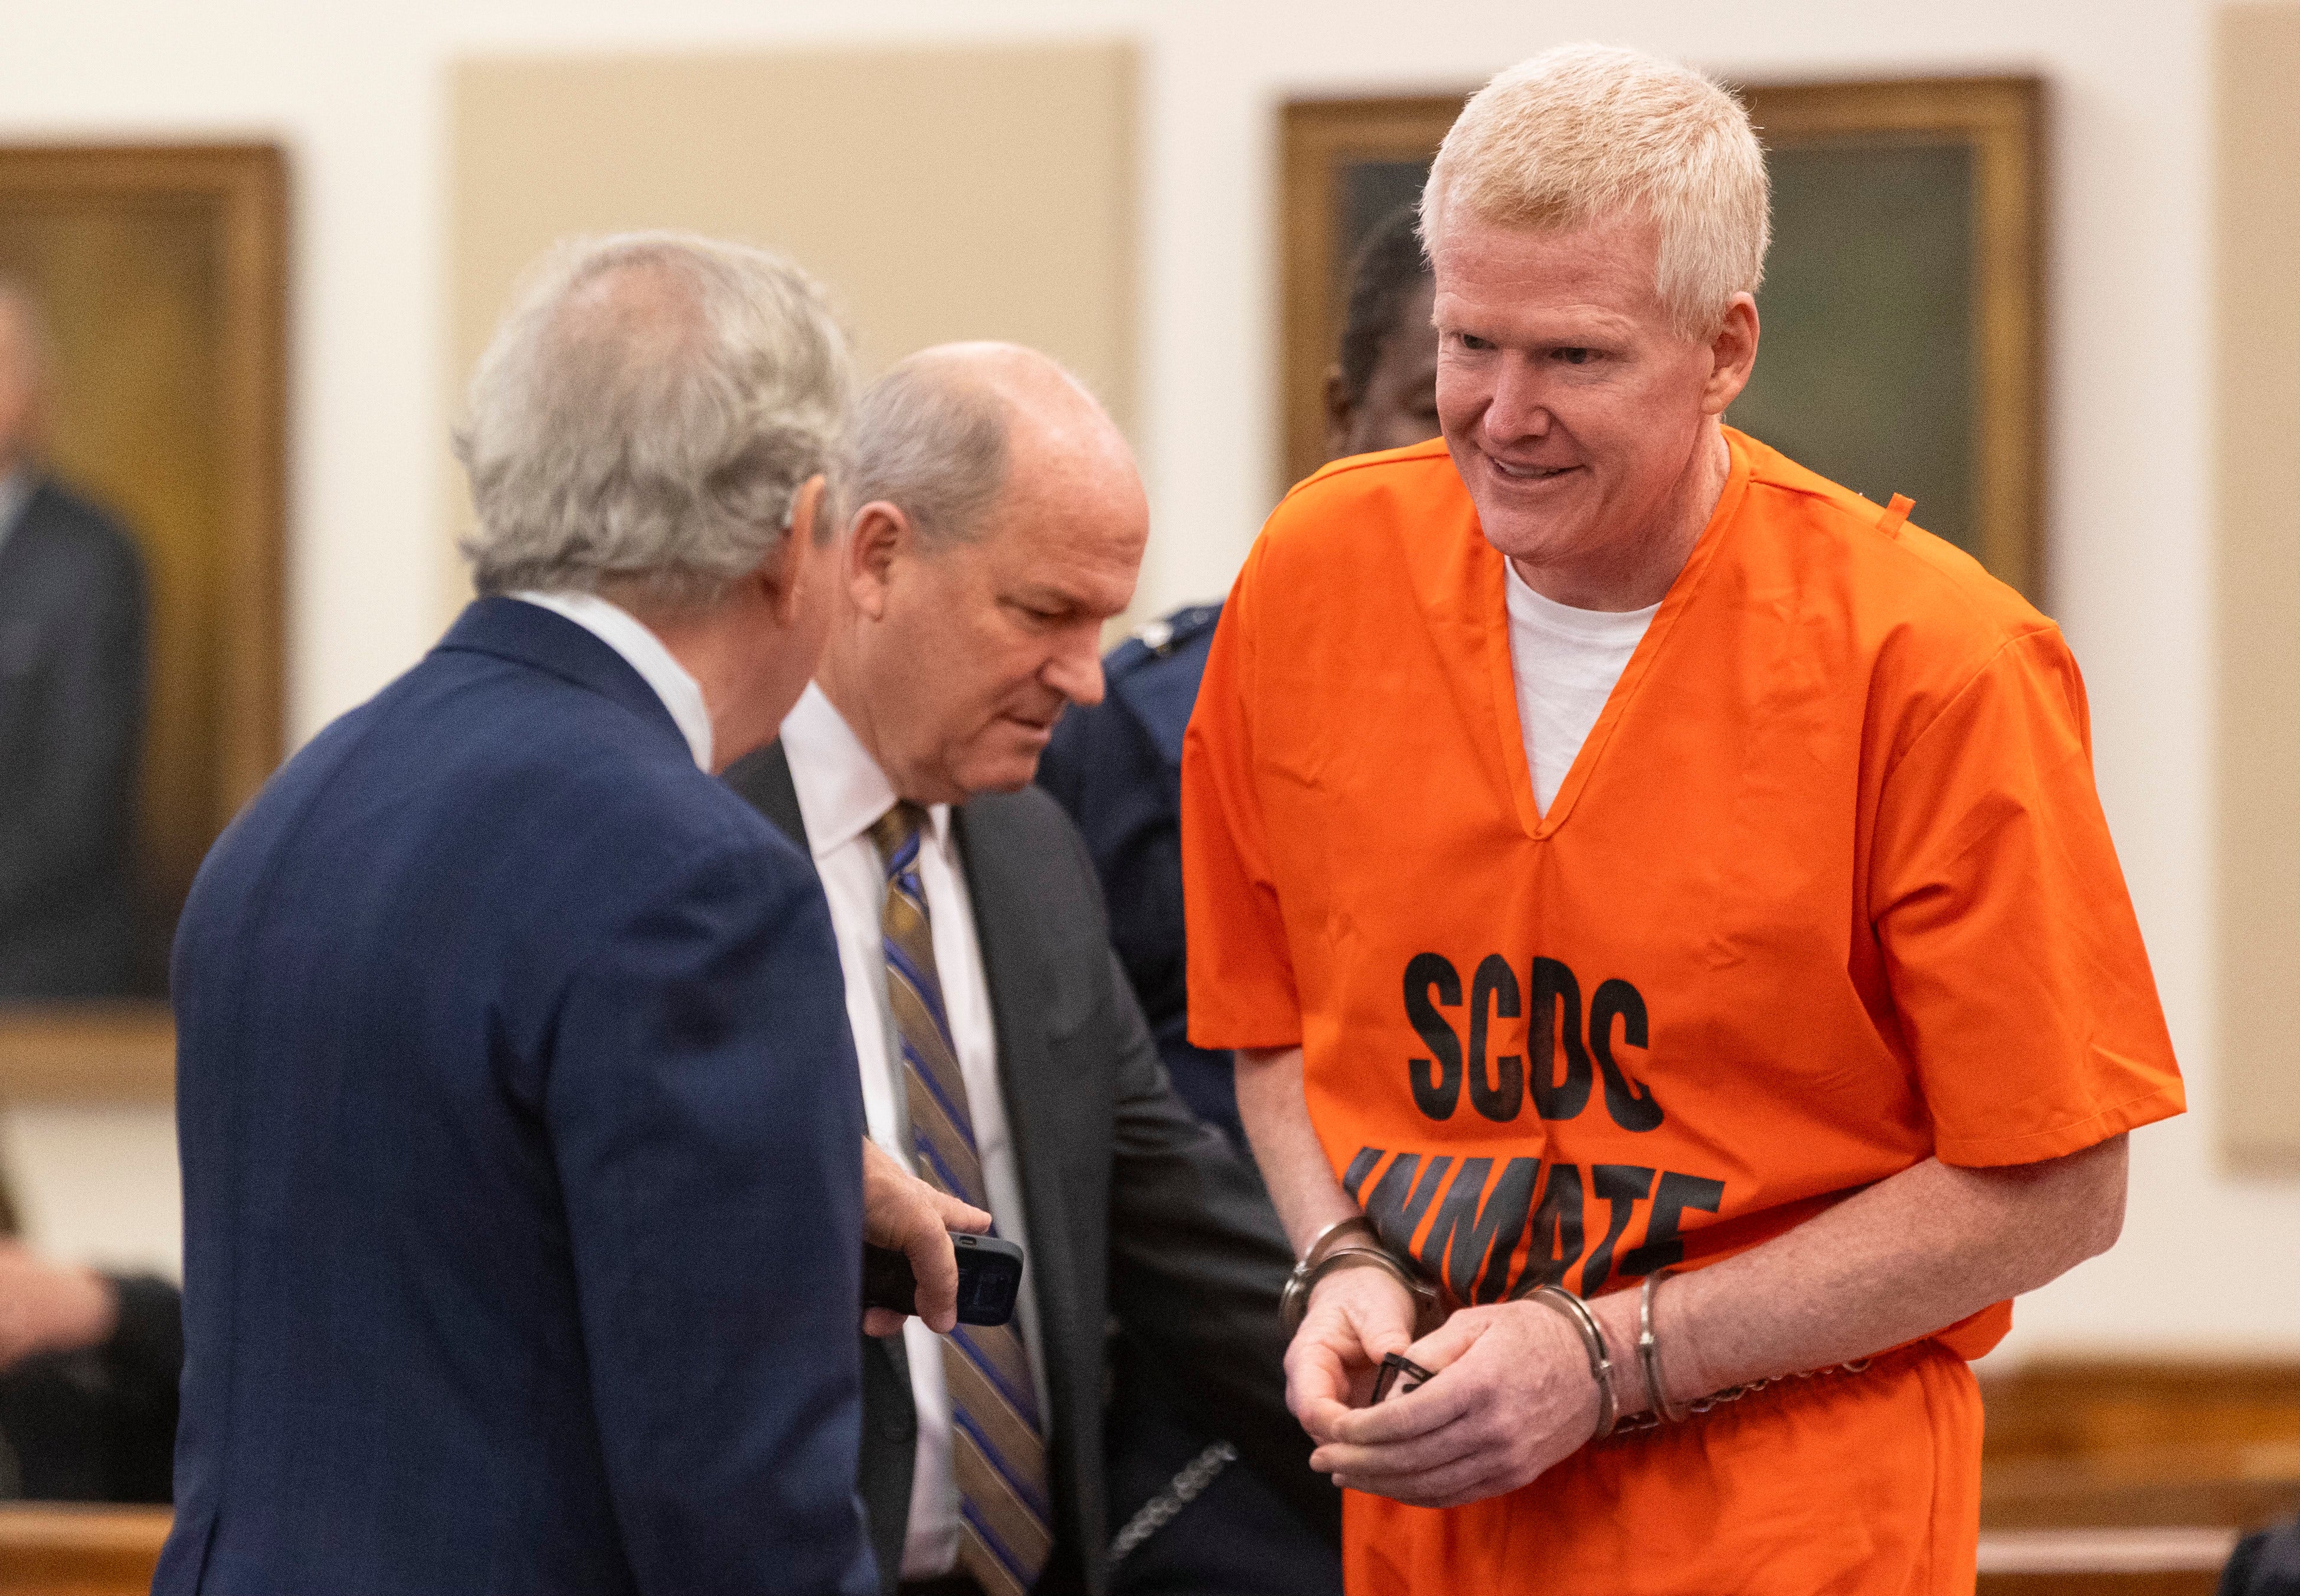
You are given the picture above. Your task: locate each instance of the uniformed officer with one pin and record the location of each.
(1117, 767)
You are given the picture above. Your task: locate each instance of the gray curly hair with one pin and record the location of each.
(647, 413)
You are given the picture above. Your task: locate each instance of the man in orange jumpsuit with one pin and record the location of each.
(1678, 965)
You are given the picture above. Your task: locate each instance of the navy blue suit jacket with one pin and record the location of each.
(521, 1131)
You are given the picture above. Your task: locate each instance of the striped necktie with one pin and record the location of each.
(997, 1452)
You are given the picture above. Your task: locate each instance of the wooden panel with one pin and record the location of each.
(2099, 1444)
(53, 1550)
(2258, 625)
(2114, 1562)
(2139, 1435)
(2063, 1408)
(2101, 1583)
(89, 1053)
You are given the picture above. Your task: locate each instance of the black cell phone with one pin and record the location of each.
(1397, 1367)
(989, 1279)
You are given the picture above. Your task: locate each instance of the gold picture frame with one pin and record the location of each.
(1969, 149)
(162, 270)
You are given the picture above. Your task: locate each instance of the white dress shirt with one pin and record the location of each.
(644, 652)
(841, 793)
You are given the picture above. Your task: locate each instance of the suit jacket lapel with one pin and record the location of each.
(1014, 968)
(765, 778)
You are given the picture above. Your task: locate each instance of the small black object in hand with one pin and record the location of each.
(1396, 1365)
(989, 1279)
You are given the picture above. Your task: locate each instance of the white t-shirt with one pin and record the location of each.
(1565, 662)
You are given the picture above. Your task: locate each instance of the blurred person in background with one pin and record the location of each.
(1382, 391)
(998, 522)
(2265, 1563)
(524, 1196)
(71, 705)
(88, 1365)
(1683, 983)
(1117, 767)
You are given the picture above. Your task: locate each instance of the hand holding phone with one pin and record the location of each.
(905, 1215)
(989, 1279)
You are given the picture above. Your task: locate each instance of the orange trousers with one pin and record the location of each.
(1863, 1485)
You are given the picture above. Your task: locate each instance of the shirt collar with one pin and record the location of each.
(1545, 613)
(842, 792)
(644, 652)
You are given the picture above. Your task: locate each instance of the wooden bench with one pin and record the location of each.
(2098, 1562)
(2132, 1479)
(2097, 1479)
(57, 1549)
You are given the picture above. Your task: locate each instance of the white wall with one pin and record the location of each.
(2207, 1263)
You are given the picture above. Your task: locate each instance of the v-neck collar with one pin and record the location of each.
(1493, 605)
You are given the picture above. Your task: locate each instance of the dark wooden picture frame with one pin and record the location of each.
(1994, 127)
(84, 226)
(1322, 144)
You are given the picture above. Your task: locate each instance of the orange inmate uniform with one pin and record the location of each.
(1826, 892)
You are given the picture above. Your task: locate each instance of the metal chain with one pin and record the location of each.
(1647, 1422)
(1202, 1470)
(1184, 1489)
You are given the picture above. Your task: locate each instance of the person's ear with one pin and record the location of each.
(1339, 411)
(881, 533)
(1732, 355)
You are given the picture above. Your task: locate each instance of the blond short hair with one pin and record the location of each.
(1581, 133)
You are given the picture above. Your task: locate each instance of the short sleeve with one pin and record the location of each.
(1241, 975)
(2014, 960)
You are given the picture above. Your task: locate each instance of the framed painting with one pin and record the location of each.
(142, 293)
(1346, 164)
(1901, 308)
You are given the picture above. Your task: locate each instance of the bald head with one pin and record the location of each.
(940, 435)
(999, 521)
(24, 358)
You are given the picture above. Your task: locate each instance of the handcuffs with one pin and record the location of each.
(1354, 1243)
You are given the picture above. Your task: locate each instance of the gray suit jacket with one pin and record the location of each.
(1138, 1212)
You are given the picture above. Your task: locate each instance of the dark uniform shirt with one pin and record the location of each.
(1117, 767)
